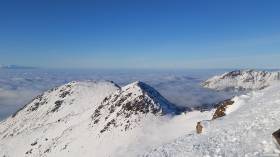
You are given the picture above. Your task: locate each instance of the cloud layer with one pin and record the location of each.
(19, 86)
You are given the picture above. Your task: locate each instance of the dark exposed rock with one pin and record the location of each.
(96, 121)
(40, 101)
(57, 105)
(47, 150)
(232, 74)
(137, 99)
(65, 146)
(34, 143)
(220, 111)
(276, 135)
(32, 108)
(112, 122)
(29, 152)
(64, 94)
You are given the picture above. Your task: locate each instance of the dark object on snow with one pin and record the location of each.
(199, 128)
(57, 105)
(34, 143)
(220, 111)
(276, 135)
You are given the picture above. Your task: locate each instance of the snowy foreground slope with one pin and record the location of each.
(242, 80)
(103, 119)
(245, 131)
(94, 119)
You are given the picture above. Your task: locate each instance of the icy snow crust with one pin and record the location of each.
(242, 80)
(245, 131)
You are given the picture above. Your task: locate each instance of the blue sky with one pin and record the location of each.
(140, 33)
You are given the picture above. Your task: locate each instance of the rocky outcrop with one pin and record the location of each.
(129, 105)
(221, 109)
(276, 136)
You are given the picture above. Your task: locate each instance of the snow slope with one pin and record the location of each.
(93, 119)
(36, 129)
(245, 131)
(102, 119)
(242, 80)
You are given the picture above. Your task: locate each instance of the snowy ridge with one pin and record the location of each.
(242, 80)
(58, 104)
(244, 131)
(129, 106)
(102, 119)
(86, 117)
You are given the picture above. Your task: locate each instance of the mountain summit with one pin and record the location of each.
(130, 105)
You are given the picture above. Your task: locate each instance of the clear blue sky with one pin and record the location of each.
(140, 33)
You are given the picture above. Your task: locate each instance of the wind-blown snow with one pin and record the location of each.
(245, 131)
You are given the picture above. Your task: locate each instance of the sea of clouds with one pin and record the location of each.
(181, 87)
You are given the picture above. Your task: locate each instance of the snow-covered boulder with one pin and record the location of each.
(242, 80)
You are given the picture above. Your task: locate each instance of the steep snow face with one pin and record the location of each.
(246, 130)
(58, 104)
(242, 80)
(93, 119)
(49, 115)
(129, 106)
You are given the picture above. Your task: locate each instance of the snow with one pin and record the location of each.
(246, 131)
(137, 121)
(242, 80)
(19, 86)
(37, 130)
(29, 126)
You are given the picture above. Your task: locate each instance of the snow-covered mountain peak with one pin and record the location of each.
(89, 91)
(57, 105)
(242, 80)
(84, 117)
(129, 106)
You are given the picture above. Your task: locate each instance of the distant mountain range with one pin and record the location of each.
(242, 80)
